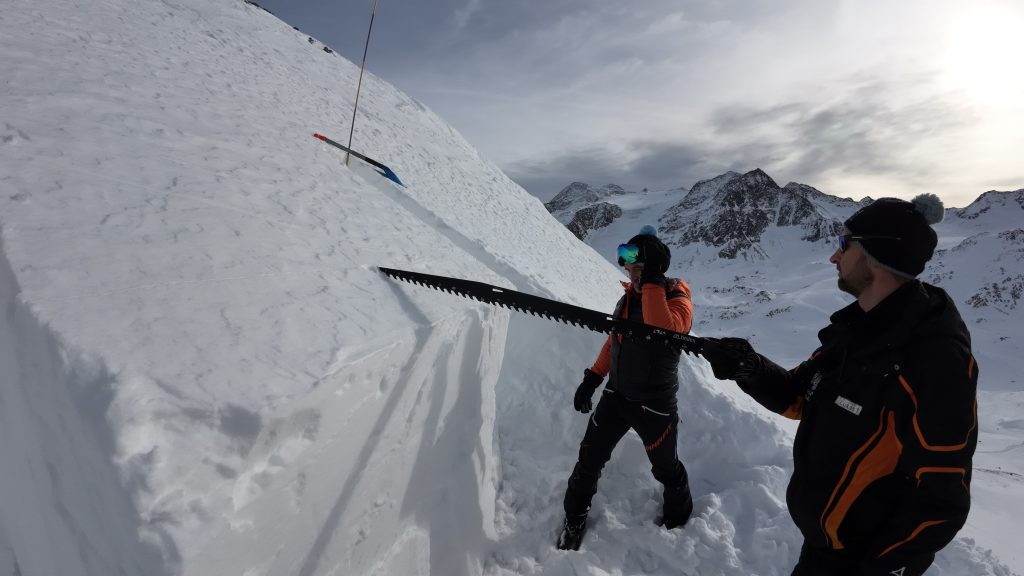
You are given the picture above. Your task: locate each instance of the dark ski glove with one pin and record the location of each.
(655, 257)
(591, 380)
(732, 358)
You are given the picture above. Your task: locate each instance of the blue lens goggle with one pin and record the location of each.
(628, 254)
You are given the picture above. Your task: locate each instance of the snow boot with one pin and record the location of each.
(572, 533)
(678, 506)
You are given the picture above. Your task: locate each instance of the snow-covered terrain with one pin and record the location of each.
(202, 373)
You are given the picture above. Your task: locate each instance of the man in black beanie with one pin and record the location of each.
(887, 409)
(641, 391)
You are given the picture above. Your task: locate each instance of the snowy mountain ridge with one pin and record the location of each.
(758, 249)
(735, 216)
(730, 211)
(579, 195)
(1008, 202)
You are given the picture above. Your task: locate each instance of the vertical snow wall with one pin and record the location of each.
(63, 507)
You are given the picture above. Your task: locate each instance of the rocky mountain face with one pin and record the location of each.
(732, 212)
(593, 217)
(993, 256)
(580, 196)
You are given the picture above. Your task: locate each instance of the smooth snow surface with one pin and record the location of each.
(203, 374)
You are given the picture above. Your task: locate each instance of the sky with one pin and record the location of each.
(855, 98)
(202, 372)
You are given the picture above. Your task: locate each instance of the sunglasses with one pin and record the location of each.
(628, 254)
(846, 239)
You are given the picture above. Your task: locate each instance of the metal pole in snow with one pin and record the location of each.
(359, 85)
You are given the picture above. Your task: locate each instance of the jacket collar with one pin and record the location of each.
(887, 324)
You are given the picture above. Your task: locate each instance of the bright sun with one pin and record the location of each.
(986, 55)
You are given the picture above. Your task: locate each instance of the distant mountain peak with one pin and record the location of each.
(570, 195)
(582, 207)
(992, 199)
(704, 189)
(610, 189)
(758, 175)
(753, 189)
(577, 194)
(732, 212)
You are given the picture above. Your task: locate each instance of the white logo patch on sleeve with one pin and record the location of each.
(849, 405)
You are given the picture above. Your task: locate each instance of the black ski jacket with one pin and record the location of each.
(647, 371)
(888, 427)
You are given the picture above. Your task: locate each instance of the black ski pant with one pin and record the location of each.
(825, 562)
(657, 423)
(816, 561)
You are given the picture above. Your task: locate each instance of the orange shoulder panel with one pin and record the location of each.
(674, 314)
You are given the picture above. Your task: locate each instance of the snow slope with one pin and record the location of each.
(202, 373)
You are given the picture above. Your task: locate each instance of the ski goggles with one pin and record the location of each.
(628, 254)
(846, 239)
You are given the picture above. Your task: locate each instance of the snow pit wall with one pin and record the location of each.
(63, 507)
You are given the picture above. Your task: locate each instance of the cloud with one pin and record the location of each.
(664, 165)
(879, 129)
(645, 164)
(665, 93)
(463, 15)
(546, 177)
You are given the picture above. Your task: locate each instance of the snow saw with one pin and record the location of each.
(552, 310)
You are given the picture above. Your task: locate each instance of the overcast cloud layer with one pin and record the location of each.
(855, 98)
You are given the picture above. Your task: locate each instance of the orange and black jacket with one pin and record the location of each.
(888, 427)
(640, 371)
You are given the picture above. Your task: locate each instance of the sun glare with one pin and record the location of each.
(985, 54)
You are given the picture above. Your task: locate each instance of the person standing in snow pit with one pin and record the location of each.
(887, 408)
(641, 390)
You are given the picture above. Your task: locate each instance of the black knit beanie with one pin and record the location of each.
(647, 239)
(898, 234)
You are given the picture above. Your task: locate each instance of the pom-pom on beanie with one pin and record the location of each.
(897, 233)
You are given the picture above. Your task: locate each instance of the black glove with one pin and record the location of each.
(731, 358)
(655, 257)
(591, 380)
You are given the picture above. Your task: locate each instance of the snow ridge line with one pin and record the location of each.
(65, 508)
(461, 241)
